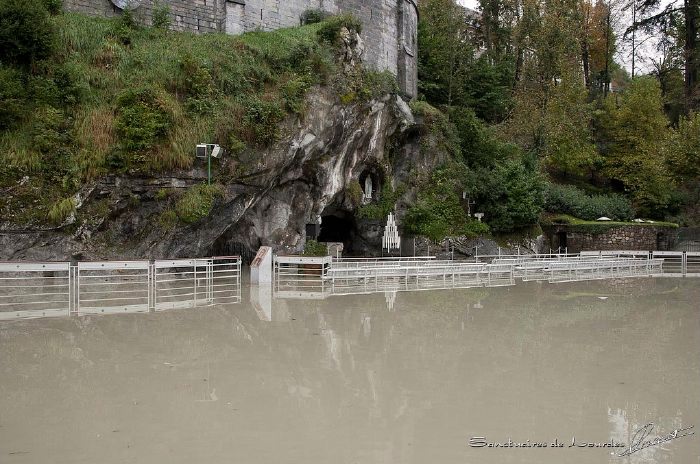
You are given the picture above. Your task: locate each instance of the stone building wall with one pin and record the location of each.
(575, 239)
(390, 27)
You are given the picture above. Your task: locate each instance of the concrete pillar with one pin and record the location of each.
(261, 267)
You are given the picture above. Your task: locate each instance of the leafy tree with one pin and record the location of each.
(26, 32)
(634, 133)
(650, 18)
(511, 195)
(445, 51)
(684, 155)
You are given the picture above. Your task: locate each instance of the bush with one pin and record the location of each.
(567, 199)
(314, 248)
(330, 29)
(438, 212)
(143, 118)
(261, 120)
(381, 209)
(312, 16)
(26, 32)
(161, 16)
(511, 195)
(12, 98)
(61, 210)
(197, 203)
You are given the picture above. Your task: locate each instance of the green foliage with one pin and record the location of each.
(12, 97)
(634, 133)
(438, 212)
(314, 248)
(197, 202)
(571, 200)
(54, 7)
(167, 220)
(479, 145)
(354, 193)
(439, 134)
(26, 32)
(161, 16)
(61, 210)
(143, 118)
(387, 202)
(294, 94)
(260, 123)
(684, 151)
(511, 195)
(313, 16)
(331, 27)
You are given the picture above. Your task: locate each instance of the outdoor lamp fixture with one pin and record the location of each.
(208, 151)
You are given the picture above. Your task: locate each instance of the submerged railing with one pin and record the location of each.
(302, 277)
(106, 287)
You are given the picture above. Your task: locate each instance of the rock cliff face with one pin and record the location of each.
(304, 177)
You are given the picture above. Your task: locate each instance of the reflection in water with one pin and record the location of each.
(347, 379)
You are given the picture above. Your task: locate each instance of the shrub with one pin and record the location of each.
(511, 195)
(293, 93)
(567, 199)
(197, 203)
(314, 248)
(330, 29)
(143, 118)
(26, 32)
(354, 193)
(438, 212)
(261, 120)
(161, 16)
(61, 210)
(381, 209)
(375, 84)
(12, 98)
(167, 220)
(53, 6)
(312, 16)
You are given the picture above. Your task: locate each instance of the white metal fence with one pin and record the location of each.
(298, 276)
(35, 289)
(107, 287)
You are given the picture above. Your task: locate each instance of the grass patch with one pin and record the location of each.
(197, 203)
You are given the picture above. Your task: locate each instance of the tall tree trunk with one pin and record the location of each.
(606, 83)
(584, 45)
(634, 38)
(692, 54)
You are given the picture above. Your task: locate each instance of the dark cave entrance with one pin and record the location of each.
(562, 240)
(337, 226)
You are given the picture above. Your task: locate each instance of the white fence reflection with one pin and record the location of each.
(107, 287)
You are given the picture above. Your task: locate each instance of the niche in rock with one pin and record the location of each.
(370, 183)
(337, 225)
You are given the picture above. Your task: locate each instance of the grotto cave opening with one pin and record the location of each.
(338, 225)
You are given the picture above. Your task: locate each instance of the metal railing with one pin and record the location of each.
(306, 273)
(113, 286)
(106, 287)
(35, 289)
(679, 263)
(298, 276)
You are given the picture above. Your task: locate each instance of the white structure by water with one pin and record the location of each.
(391, 239)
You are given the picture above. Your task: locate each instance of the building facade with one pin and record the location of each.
(389, 27)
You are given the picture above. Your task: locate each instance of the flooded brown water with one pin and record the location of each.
(350, 380)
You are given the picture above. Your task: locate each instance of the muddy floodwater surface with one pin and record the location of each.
(485, 375)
